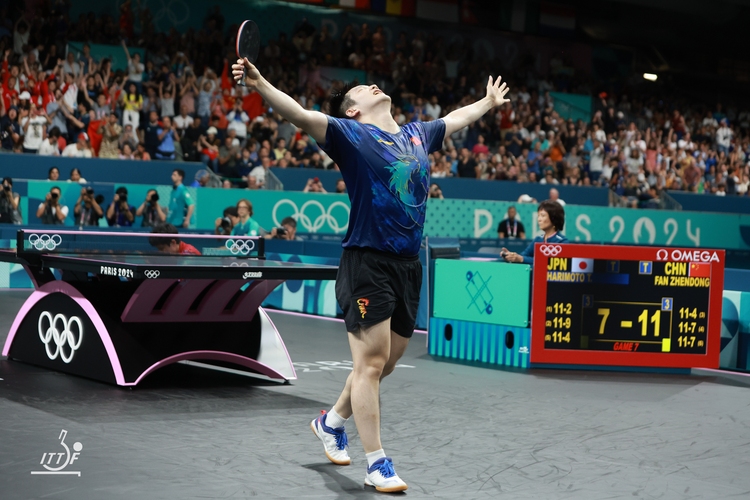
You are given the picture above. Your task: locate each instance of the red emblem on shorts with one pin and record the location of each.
(417, 141)
(363, 303)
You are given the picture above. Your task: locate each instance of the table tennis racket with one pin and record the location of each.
(248, 43)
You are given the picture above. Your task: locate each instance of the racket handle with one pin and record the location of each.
(244, 74)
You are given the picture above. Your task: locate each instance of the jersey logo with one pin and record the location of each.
(417, 141)
(363, 303)
(387, 143)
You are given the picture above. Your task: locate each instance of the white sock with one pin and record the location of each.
(375, 456)
(334, 420)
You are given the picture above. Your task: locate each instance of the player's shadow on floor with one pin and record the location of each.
(344, 486)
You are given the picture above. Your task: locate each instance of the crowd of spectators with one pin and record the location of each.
(179, 103)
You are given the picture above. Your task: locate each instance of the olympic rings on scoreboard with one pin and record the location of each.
(152, 274)
(550, 250)
(237, 247)
(45, 241)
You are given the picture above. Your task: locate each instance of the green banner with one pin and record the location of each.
(482, 292)
(315, 213)
(572, 106)
(114, 53)
(479, 219)
(329, 214)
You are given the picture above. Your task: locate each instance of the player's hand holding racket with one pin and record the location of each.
(247, 70)
(247, 47)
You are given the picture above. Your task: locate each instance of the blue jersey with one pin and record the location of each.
(387, 178)
(528, 253)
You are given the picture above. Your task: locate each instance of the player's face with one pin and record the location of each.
(367, 97)
(542, 219)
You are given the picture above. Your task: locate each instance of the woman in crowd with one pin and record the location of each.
(550, 217)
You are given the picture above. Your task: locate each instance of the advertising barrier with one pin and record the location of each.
(328, 214)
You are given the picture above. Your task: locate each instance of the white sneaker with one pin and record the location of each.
(382, 476)
(334, 440)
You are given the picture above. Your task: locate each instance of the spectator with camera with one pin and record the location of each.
(153, 213)
(120, 213)
(10, 129)
(436, 192)
(223, 225)
(314, 186)
(51, 211)
(87, 210)
(9, 213)
(287, 231)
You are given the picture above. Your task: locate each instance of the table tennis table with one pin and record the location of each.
(106, 306)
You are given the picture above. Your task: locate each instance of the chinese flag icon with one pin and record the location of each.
(700, 270)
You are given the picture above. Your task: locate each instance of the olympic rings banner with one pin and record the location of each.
(329, 214)
(314, 213)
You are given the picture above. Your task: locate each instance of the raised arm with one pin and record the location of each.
(314, 123)
(462, 117)
(125, 48)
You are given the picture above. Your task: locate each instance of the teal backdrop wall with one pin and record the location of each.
(329, 214)
(573, 106)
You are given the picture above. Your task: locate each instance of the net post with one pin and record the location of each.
(20, 238)
(262, 248)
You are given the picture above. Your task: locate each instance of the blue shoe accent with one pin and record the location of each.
(384, 465)
(339, 433)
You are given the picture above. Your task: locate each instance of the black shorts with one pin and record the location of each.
(373, 286)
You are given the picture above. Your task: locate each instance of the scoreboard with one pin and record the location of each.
(626, 306)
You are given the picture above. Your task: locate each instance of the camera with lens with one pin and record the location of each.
(123, 198)
(154, 198)
(6, 187)
(281, 231)
(53, 195)
(89, 190)
(226, 224)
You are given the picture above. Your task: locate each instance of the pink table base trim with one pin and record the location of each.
(210, 355)
(73, 293)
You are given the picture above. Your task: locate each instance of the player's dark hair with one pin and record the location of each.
(289, 221)
(166, 228)
(341, 101)
(555, 211)
(180, 172)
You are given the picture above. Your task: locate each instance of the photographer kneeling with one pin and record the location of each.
(50, 210)
(287, 231)
(223, 225)
(153, 213)
(9, 200)
(87, 210)
(119, 213)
